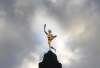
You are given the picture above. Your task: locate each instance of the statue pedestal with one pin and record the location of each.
(50, 61)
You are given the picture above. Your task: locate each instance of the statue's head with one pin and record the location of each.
(49, 31)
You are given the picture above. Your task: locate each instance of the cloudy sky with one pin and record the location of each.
(75, 22)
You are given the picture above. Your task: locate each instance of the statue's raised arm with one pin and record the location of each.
(45, 29)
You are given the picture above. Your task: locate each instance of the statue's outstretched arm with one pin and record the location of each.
(45, 29)
(54, 37)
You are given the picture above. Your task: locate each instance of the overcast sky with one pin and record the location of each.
(75, 22)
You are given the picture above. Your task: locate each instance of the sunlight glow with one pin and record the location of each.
(65, 55)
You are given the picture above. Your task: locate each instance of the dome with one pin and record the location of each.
(50, 61)
(50, 57)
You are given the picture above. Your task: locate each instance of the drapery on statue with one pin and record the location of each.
(49, 36)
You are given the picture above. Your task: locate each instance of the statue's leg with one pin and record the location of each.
(49, 43)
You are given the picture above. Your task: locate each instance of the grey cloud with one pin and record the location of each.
(17, 42)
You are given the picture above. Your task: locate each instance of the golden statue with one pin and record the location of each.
(49, 36)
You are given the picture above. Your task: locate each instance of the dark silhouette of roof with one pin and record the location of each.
(50, 61)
